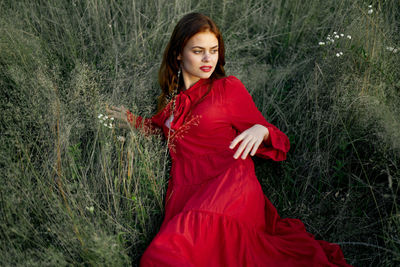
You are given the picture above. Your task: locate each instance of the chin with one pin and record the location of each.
(205, 75)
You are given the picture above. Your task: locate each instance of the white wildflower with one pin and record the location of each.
(334, 33)
(321, 43)
(395, 50)
(341, 35)
(337, 36)
(338, 54)
(341, 53)
(121, 138)
(112, 118)
(106, 117)
(100, 116)
(349, 37)
(370, 11)
(390, 48)
(370, 6)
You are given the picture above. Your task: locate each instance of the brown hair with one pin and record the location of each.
(188, 26)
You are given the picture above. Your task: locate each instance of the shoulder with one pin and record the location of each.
(228, 81)
(229, 90)
(230, 85)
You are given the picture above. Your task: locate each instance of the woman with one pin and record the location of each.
(215, 211)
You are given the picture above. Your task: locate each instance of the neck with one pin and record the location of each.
(189, 82)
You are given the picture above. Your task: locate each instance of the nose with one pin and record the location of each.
(206, 57)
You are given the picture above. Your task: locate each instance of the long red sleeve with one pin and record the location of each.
(244, 114)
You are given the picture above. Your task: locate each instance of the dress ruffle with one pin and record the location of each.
(203, 238)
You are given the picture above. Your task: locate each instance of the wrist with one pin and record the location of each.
(129, 117)
(266, 135)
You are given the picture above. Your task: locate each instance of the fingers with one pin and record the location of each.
(249, 147)
(235, 141)
(248, 141)
(114, 108)
(117, 112)
(255, 148)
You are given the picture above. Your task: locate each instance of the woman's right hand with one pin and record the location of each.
(121, 115)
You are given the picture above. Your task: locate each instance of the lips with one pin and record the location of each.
(206, 68)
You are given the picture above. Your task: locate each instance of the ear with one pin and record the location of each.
(179, 57)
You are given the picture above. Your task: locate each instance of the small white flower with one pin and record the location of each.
(109, 26)
(105, 124)
(341, 53)
(370, 6)
(106, 117)
(110, 125)
(337, 54)
(334, 33)
(349, 37)
(100, 116)
(112, 118)
(321, 43)
(341, 35)
(390, 48)
(337, 36)
(370, 11)
(395, 50)
(121, 138)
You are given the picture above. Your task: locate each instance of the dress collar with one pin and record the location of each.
(194, 86)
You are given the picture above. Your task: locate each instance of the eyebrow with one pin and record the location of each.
(203, 47)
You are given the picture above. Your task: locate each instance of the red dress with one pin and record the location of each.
(215, 211)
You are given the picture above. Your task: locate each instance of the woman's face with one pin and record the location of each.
(199, 57)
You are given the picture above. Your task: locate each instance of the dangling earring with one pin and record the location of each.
(178, 79)
(175, 92)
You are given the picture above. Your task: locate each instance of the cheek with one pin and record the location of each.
(193, 59)
(215, 58)
(189, 60)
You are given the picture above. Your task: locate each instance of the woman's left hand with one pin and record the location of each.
(250, 140)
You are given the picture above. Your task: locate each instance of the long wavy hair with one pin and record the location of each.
(188, 26)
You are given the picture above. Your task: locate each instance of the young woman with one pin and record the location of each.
(215, 211)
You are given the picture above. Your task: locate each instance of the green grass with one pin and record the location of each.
(73, 194)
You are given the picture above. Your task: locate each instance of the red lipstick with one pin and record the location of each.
(206, 68)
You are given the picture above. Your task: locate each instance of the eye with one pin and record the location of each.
(197, 51)
(214, 51)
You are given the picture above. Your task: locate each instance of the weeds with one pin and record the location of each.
(78, 192)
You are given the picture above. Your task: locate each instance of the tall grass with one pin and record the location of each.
(74, 192)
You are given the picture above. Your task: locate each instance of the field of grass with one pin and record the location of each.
(75, 192)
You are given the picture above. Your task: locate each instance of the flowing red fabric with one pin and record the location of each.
(215, 211)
